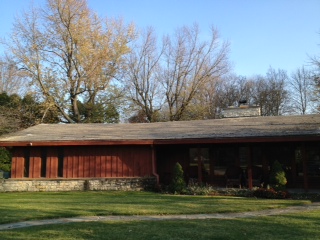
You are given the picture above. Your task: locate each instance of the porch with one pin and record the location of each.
(212, 163)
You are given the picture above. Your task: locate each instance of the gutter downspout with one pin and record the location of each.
(154, 168)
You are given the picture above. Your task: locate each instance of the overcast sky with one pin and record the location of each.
(262, 33)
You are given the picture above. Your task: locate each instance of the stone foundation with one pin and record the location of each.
(55, 185)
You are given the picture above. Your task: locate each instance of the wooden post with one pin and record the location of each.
(249, 167)
(199, 166)
(265, 168)
(212, 157)
(154, 164)
(305, 167)
(293, 167)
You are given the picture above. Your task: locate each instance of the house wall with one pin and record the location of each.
(82, 162)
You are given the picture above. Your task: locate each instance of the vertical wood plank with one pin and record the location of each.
(52, 163)
(97, 154)
(103, 162)
(18, 162)
(108, 166)
(65, 164)
(69, 163)
(81, 165)
(86, 165)
(35, 163)
(75, 166)
(91, 165)
(113, 163)
(120, 162)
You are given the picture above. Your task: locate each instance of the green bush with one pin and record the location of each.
(278, 178)
(178, 184)
(200, 189)
(5, 160)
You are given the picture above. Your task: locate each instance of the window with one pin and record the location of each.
(225, 156)
(194, 154)
(313, 161)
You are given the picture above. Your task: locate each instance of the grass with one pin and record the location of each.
(305, 225)
(15, 207)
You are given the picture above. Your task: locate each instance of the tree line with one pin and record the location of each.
(64, 63)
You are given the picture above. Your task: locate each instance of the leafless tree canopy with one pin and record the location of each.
(69, 52)
(85, 67)
(169, 76)
(142, 78)
(12, 80)
(302, 89)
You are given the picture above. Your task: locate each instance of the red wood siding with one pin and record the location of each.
(109, 161)
(35, 163)
(17, 166)
(52, 163)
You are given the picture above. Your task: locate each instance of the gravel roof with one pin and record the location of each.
(251, 127)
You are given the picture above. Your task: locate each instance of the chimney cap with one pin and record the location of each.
(243, 101)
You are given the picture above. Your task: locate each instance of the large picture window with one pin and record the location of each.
(199, 156)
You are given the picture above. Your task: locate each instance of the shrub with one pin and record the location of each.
(200, 189)
(270, 193)
(278, 178)
(178, 184)
(5, 160)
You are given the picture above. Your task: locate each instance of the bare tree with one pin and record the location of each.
(142, 76)
(302, 90)
(315, 61)
(12, 80)
(270, 93)
(188, 64)
(71, 54)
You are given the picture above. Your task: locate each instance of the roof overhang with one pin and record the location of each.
(190, 141)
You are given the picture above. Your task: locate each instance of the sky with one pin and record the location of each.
(281, 34)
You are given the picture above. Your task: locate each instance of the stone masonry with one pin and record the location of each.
(242, 111)
(54, 185)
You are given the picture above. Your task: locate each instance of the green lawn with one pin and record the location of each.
(15, 207)
(293, 227)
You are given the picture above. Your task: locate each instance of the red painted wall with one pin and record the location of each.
(84, 162)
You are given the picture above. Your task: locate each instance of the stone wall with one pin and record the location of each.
(54, 185)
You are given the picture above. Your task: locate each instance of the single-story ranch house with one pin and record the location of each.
(227, 152)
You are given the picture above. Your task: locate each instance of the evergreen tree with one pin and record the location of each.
(278, 178)
(178, 184)
(5, 160)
